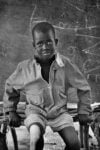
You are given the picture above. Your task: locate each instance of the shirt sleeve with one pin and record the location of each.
(77, 80)
(12, 90)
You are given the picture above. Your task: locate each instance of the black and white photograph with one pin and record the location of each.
(49, 74)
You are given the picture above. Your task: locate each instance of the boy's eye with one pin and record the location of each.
(40, 44)
(49, 42)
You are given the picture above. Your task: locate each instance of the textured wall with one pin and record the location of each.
(77, 25)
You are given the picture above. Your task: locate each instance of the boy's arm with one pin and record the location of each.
(78, 81)
(12, 90)
(85, 100)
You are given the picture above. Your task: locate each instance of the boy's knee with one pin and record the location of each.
(70, 138)
(35, 133)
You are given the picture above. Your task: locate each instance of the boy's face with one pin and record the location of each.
(45, 44)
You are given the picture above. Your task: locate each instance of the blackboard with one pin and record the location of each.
(77, 26)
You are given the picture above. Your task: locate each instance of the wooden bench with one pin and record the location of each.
(20, 109)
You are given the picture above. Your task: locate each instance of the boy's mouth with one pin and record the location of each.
(46, 52)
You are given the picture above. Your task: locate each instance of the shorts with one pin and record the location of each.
(57, 124)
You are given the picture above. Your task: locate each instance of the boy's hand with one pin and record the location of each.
(84, 119)
(15, 119)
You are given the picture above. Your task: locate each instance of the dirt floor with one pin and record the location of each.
(52, 140)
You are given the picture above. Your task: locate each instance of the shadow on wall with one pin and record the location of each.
(15, 40)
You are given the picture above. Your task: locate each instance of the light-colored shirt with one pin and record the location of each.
(49, 99)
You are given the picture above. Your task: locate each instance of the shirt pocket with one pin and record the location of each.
(35, 98)
(62, 96)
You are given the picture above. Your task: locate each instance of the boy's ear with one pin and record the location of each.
(56, 41)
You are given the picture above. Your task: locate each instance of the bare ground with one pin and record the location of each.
(52, 140)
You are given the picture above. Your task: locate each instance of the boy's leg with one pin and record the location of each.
(40, 143)
(36, 125)
(36, 137)
(70, 138)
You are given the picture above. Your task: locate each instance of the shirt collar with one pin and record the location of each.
(57, 63)
(59, 60)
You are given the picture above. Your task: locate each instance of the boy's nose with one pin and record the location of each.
(44, 46)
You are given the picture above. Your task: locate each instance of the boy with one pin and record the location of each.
(45, 81)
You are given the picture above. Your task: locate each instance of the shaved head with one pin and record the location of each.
(43, 27)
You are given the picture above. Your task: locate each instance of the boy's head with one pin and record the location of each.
(43, 27)
(44, 40)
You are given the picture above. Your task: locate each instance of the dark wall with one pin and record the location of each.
(77, 25)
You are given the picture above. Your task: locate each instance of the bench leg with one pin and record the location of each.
(14, 136)
(84, 136)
